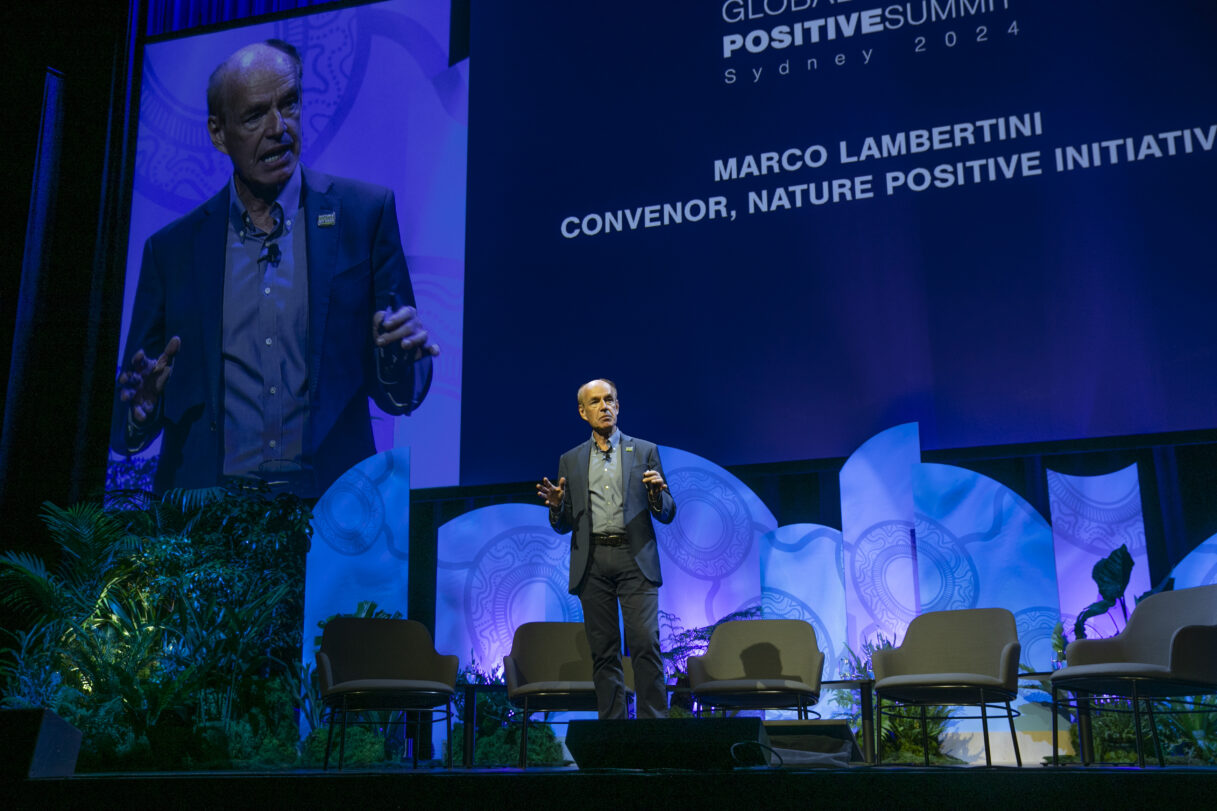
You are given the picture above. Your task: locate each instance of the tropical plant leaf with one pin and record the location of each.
(1059, 642)
(29, 587)
(1095, 609)
(1112, 574)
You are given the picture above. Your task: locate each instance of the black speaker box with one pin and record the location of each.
(37, 743)
(668, 743)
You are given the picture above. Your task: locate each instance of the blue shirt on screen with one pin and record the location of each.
(265, 335)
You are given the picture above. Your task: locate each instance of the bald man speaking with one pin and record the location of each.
(609, 490)
(266, 318)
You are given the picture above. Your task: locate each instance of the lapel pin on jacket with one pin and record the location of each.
(327, 219)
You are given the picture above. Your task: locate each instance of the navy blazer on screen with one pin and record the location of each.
(355, 264)
(575, 515)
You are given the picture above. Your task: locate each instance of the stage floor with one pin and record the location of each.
(860, 786)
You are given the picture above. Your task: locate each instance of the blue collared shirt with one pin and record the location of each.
(265, 337)
(605, 494)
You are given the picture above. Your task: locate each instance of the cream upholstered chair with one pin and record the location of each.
(758, 664)
(368, 664)
(967, 657)
(1168, 649)
(549, 670)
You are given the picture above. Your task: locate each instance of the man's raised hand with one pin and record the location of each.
(142, 380)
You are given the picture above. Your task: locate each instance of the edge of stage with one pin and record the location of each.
(860, 786)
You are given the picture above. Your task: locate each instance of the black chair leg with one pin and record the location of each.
(984, 727)
(1136, 714)
(448, 708)
(1153, 728)
(524, 740)
(414, 739)
(342, 739)
(1085, 729)
(1056, 708)
(1018, 756)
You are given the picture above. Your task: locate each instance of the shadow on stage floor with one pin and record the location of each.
(987, 788)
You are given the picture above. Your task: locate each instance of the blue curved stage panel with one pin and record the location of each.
(877, 526)
(802, 577)
(980, 545)
(1091, 517)
(709, 554)
(497, 568)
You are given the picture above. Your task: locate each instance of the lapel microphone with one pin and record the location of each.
(274, 254)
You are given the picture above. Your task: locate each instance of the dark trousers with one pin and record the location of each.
(613, 577)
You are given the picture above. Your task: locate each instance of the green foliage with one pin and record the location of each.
(1059, 641)
(1112, 728)
(1187, 731)
(502, 746)
(1191, 735)
(108, 741)
(161, 628)
(31, 670)
(854, 666)
(901, 733)
(364, 747)
(94, 551)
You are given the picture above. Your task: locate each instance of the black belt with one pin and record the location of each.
(609, 540)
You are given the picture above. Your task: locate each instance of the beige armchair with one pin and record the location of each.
(549, 670)
(967, 657)
(1168, 649)
(758, 664)
(370, 664)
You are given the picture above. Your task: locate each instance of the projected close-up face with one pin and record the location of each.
(257, 124)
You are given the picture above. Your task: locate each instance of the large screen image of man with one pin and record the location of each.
(275, 330)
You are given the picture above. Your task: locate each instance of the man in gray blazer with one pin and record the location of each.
(608, 491)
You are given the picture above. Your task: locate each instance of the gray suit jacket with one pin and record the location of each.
(575, 515)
